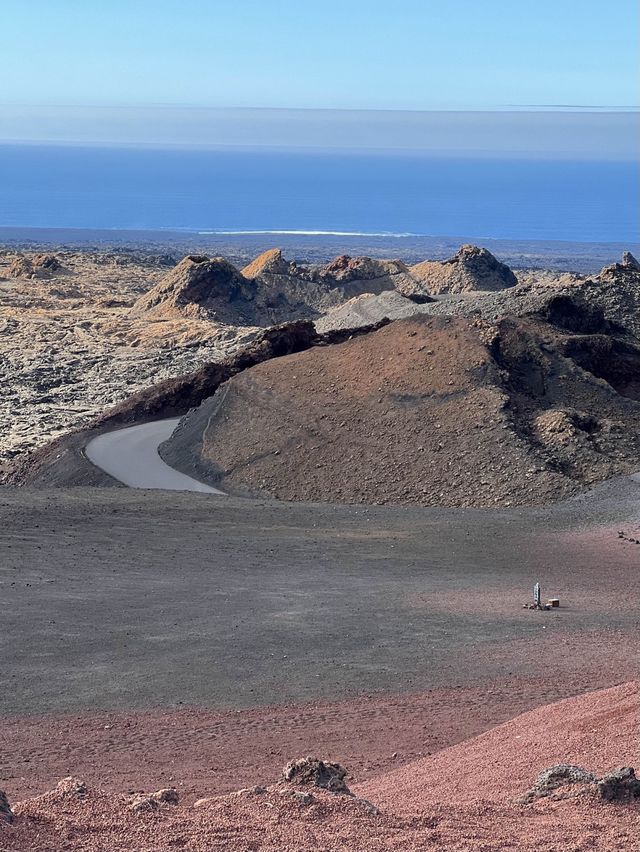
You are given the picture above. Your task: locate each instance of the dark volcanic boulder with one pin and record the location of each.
(471, 268)
(619, 785)
(6, 814)
(312, 772)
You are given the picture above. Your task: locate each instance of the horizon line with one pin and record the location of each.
(203, 107)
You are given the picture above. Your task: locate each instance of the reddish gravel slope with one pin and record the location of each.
(463, 798)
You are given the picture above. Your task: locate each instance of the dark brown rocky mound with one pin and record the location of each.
(471, 268)
(204, 288)
(433, 410)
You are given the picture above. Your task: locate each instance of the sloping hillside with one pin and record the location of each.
(433, 410)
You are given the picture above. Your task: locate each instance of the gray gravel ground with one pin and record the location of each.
(118, 598)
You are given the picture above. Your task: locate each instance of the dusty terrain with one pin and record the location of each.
(458, 799)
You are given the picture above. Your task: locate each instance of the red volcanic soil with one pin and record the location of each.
(464, 798)
(207, 752)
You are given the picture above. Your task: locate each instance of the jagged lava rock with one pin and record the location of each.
(471, 268)
(313, 772)
(619, 785)
(38, 266)
(629, 260)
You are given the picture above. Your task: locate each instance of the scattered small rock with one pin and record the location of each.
(317, 773)
(151, 802)
(256, 790)
(71, 786)
(300, 796)
(168, 796)
(144, 804)
(619, 785)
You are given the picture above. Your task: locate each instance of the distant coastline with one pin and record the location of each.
(582, 257)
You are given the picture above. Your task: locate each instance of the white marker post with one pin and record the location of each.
(537, 595)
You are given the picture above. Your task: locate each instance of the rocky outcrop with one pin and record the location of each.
(619, 785)
(153, 801)
(558, 777)
(37, 266)
(272, 262)
(313, 772)
(471, 268)
(388, 274)
(201, 288)
(6, 814)
(567, 781)
(21, 267)
(627, 270)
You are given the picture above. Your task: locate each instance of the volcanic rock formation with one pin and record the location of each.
(471, 268)
(209, 288)
(267, 291)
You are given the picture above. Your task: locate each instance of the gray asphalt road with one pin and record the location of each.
(131, 456)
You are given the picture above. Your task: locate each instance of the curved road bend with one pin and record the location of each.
(130, 455)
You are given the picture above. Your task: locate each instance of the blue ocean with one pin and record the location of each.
(270, 191)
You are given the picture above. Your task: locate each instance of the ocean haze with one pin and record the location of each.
(533, 133)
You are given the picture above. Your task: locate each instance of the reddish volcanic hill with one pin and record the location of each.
(466, 798)
(433, 410)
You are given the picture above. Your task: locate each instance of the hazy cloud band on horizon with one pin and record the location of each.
(535, 133)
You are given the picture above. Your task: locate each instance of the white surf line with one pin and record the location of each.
(131, 456)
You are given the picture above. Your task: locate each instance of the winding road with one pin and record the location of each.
(130, 455)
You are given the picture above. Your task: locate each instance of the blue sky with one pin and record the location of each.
(169, 72)
(346, 54)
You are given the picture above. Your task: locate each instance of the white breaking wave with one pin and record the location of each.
(311, 233)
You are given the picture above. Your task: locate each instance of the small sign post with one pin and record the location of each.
(537, 595)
